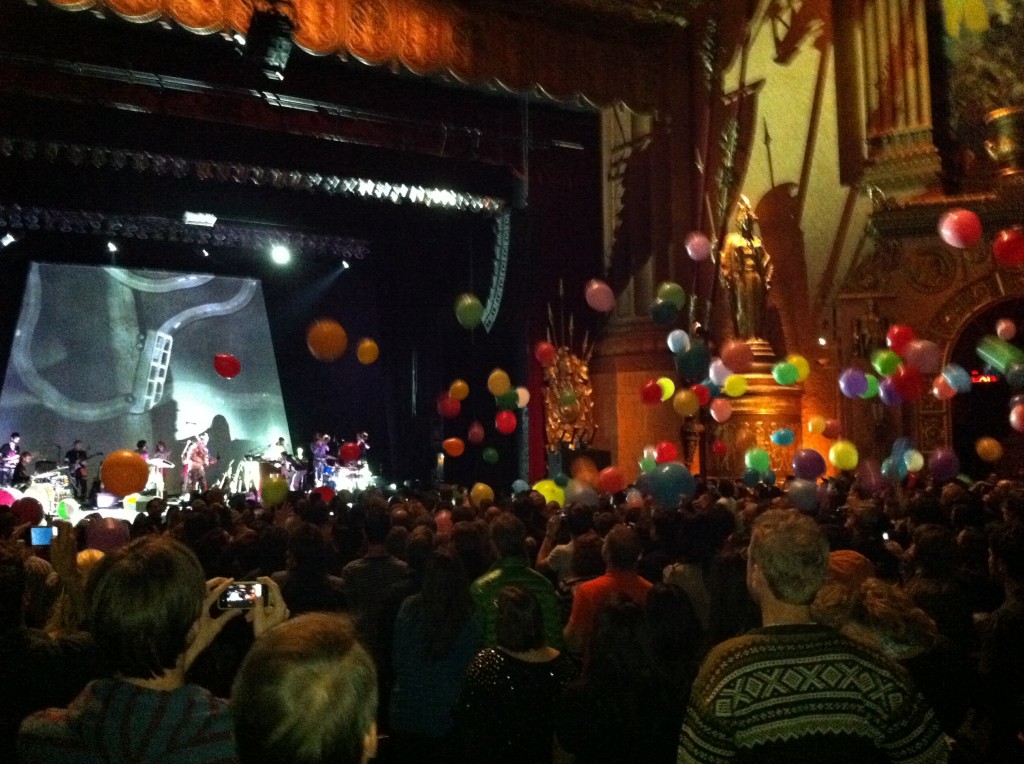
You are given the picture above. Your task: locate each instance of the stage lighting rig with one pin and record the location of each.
(268, 43)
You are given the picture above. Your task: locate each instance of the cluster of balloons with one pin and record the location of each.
(901, 367)
(669, 300)
(662, 453)
(961, 229)
(905, 460)
(792, 369)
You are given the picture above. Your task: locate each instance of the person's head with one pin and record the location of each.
(15, 437)
(508, 534)
(1006, 551)
(622, 548)
(144, 599)
(587, 560)
(306, 693)
(934, 551)
(77, 445)
(12, 586)
(378, 523)
(141, 445)
(204, 438)
(520, 621)
(307, 550)
(790, 554)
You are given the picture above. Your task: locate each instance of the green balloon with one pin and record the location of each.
(785, 373)
(490, 455)
(647, 463)
(468, 310)
(872, 390)
(757, 459)
(998, 353)
(885, 362)
(670, 291)
(507, 401)
(567, 397)
(561, 480)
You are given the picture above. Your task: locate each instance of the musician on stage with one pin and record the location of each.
(78, 473)
(9, 454)
(319, 450)
(21, 474)
(142, 449)
(197, 459)
(159, 463)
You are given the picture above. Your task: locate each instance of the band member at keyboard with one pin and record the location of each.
(197, 459)
(9, 454)
(21, 474)
(78, 472)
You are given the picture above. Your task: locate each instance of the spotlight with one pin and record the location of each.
(204, 219)
(822, 341)
(205, 253)
(7, 240)
(280, 254)
(345, 265)
(111, 247)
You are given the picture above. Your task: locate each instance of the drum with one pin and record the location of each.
(45, 494)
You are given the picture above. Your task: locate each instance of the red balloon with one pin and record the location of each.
(325, 492)
(227, 365)
(650, 393)
(832, 429)
(908, 382)
(738, 356)
(350, 452)
(28, 510)
(702, 393)
(611, 480)
(960, 228)
(665, 452)
(1017, 417)
(719, 448)
(505, 422)
(545, 353)
(447, 406)
(1008, 248)
(475, 434)
(897, 338)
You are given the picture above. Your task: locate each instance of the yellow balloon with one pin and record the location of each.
(481, 494)
(686, 403)
(803, 368)
(459, 390)
(816, 424)
(367, 352)
(843, 455)
(551, 491)
(499, 383)
(735, 385)
(989, 449)
(668, 388)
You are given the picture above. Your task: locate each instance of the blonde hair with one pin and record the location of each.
(792, 553)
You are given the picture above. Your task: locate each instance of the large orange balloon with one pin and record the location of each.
(124, 472)
(326, 339)
(454, 446)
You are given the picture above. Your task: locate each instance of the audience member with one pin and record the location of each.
(306, 585)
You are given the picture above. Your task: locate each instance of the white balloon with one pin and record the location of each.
(678, 341)
(719, 372)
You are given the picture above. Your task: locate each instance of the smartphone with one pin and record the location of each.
(885, 536)
(42, 535)
(241, 595)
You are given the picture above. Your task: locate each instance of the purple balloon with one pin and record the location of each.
(808, 464)
(853, 382)
(888, 393)
(869, 474)
(944, 464)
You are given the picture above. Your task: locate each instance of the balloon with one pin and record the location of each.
(107, 534)
(1017, 417)
(738, 356)
(941, 388)
(692, 364)
(458, 390)
(124, 472)
(703, 394)
(227, 365)
(719, 448)
(1015, 375)
(785, 373)
(475, 433)
(367, 351)
(667, 452)
(561, 480)
(869, 475)
(735, 385)
(452, 446)
(803, 494)
(1006, 329)
(27, 509)
(611, 480)
(668, 388)
(490, 455)
(522, 397)
(888, 393)
(714, 391)
(578, 492)
(505, 422)
(509, 400)
(894, 469)
(498, 382)
(783, 437)
(997, 353)
(721, 410)
(960, 228)
(751, 477)
(757, 459)
(685, 403)
(350, 452)
(943, 464)
(853, 383)
(900, 446)
(545, 353)
(66, 508)
(908, 382)
(923, 355)
(808, 464)
(958, 377)
(832, 429)
(670, 291)
(670, 482)
(650, 393)
(803, 368)
(550, 490)
(914, 460)
(1008, 248)
(885, 362)
(698, 246)
(468, 310)
(481, 494)
(989, 449)
(325, 492)
(678, 341)
(897, 337)
(663, 311)
(647, 463)
(326, 339)
(273, 491)
(816, 424)
(843, 455)
(519, 485)
(872, 382)
(768, 477)
(599, 296)
(448, 407)
(718, 371)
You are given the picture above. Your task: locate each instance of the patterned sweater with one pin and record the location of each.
(806, 693)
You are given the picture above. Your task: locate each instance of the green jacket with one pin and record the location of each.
(514, 571)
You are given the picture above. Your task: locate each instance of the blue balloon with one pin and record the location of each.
(900, 446)
(768, 477)
(894, 470)
(751, 477)
(671, 482)
(803, 494)
(783, 437)
(853, 383)
(561, 480)
(715, 390)
(663, 311)
(678, 341)
(888, 393)
(958, 377)
(520, 485)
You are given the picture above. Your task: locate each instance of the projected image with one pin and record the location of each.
(109, 356)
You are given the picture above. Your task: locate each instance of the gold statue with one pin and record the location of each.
(568, 402)
(747, 272)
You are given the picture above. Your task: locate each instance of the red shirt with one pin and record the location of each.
(590, 596)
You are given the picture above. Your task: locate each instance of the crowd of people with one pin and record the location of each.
(417, 627)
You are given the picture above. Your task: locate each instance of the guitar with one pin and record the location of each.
(79, 467)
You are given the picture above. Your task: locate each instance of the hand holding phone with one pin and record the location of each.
(42, 535)
(242, 595)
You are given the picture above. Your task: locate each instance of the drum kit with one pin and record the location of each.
(49, 488)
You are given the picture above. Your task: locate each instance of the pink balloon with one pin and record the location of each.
(1006, 329)
(1017, 417)
(698, 246)
(721, 410)
(599, 296)
(960, 228)
(923, 355)
(738, 356)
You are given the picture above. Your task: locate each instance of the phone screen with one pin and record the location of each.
(42, 535)
(240, 595)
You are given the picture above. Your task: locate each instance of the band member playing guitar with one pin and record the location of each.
(78, 473)
(196, 458)
(9, 454)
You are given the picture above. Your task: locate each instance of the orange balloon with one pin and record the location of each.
(124, 472)
(367, 352)
(454, 446)
(326, 339)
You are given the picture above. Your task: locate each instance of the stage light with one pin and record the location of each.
(345, 265)
(111, 247)
(280, 254)
(822, 341)
(204, 219)
(205, 253)
(9, 239)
